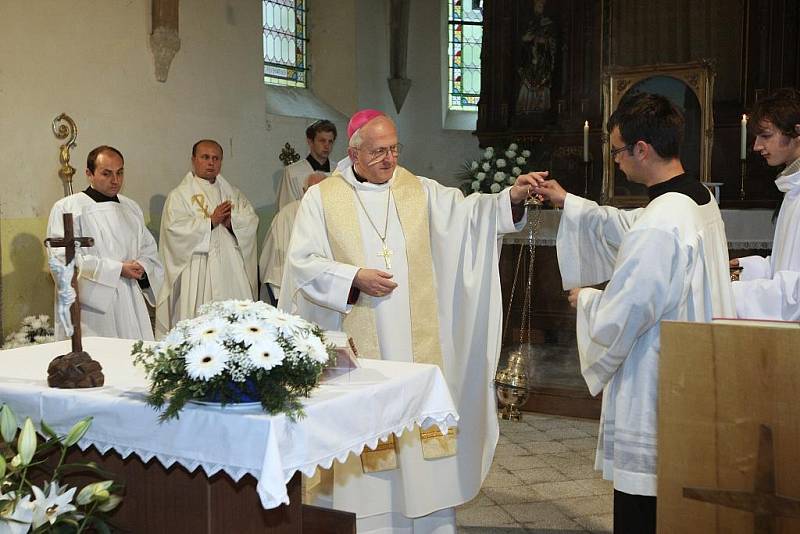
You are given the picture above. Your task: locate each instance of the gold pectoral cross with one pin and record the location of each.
(386, 254)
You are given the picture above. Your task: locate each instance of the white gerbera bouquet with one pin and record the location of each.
(495, 169)
(34, 329)
(235, 351)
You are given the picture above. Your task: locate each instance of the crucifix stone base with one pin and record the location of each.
(75, 369)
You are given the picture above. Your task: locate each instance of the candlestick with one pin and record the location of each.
(743, 151)
(743, 173)
(586, 141)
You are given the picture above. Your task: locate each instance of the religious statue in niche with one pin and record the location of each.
(538, 59)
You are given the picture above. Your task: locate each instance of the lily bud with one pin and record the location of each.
(77, 431)
(26, 444)
(8, 423)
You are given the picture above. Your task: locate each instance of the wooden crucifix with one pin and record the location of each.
(76, 369)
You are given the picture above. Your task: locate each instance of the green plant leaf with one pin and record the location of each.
(8, 423)
(77, 431)
(2, 467)
(49, 432)
(26, 444)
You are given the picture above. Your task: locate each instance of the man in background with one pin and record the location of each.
(320, 137)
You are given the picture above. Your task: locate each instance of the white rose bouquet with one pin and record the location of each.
(235, 351)
(495, 170)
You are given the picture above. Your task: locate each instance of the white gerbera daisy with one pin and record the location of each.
(312, 347)
(251, 330)
(287, 323)
(266, 353)
(210, 329)
(206, 360)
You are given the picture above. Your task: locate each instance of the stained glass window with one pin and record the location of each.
(465, 31)
(285, 42)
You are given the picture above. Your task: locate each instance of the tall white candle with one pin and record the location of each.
(743, 151)
(586, 141)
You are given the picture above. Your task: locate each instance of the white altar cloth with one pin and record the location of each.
(745, 229)
(342, 415)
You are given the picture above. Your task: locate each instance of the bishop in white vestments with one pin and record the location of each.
(667, 261)
(769, 288)
(409, 269)
(122, 271)
(208, 241)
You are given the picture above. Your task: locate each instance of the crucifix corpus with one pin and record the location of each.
(76, 369)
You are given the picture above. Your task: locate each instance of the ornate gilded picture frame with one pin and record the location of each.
(691, 87)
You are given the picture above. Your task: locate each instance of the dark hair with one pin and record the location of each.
(91, 159)
(201, 141)
(651, 118)
(320, 126)
(781, 108)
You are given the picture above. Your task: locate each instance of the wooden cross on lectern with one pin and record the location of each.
(70, 242)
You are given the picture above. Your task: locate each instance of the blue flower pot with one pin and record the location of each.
(239, 392)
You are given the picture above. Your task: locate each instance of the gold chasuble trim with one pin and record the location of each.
(344, 235)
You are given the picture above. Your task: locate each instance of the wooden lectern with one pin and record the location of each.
(729, 428)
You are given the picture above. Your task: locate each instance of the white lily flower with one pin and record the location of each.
(47, 507)
(18, 520)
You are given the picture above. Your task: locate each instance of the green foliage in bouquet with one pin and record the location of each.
(53, 507)
(495, 170)
(235, 351)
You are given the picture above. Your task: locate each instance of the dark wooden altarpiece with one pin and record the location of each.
(567, 45)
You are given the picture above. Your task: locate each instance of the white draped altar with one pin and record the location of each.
(340, 418)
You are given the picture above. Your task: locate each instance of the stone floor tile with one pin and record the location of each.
(566, 432)
(480, 500)
(565, 489)
(511, 449)
(580, 444)
(597, 524)
(500, 479)
(583, 506)
(515, 463)
(551, 423)
(540, 515)
(484, 516)
(527, 436)
(535, 476)
(597, 486)
(543, 447)
(510, 529)
(512, 494)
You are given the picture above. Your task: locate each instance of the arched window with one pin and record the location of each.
(285, 43)
(465, 36)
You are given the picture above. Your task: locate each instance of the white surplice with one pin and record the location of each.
(111, 306)
(668, 261)
(273, 251)
(293, 182)
(204, 264)
(769, 288)
(464, 244)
